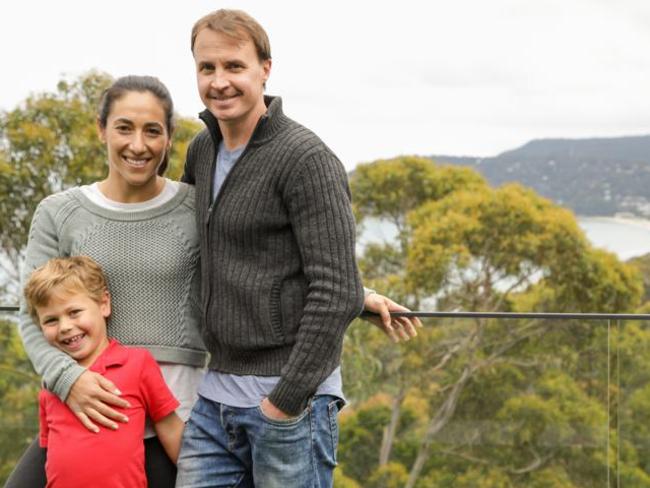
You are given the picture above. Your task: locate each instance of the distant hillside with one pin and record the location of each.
(602, 176)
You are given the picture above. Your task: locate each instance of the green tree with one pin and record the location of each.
(389, 190)
(465, 246)
(49, 143)
(18, 399)
(642, 263)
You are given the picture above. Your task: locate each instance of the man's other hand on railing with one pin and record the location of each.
(397, 328)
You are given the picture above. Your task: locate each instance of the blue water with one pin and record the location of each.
(624, 238)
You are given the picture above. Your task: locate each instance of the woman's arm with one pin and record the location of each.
(86, 393)
(58, 370)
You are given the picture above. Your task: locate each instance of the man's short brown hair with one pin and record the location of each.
(76, 274)
(236, 24)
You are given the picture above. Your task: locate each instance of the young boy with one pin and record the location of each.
(69, 298)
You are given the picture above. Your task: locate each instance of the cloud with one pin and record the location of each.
(377, 78)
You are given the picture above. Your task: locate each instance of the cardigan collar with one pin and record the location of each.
(272, 122)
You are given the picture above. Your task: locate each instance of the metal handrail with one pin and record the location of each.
(486, 315)
(517, 315)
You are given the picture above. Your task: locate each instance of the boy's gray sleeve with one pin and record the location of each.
(58, 370)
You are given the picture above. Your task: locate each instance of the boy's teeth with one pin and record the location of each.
(67, 342)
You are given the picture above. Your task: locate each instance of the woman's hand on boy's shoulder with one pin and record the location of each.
(90, 399)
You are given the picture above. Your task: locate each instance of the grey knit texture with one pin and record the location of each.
(280, 281)
(150, 259)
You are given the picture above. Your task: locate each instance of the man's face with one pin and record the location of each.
(230, 77)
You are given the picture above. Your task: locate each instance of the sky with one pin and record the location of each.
(374, 79)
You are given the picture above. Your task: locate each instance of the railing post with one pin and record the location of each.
(613, 402)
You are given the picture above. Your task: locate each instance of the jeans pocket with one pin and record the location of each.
(283, 422)
(333, 409)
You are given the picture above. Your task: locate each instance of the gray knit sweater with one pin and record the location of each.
(279, 279)
(150, 258)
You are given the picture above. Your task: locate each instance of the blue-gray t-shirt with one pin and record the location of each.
(245, 391)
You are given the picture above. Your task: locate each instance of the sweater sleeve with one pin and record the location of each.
(58, 370)
(318, 203)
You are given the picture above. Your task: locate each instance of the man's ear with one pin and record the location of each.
(266, 67)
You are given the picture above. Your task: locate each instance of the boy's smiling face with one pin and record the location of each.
(76, 324)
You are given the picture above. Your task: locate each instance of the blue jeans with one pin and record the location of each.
(240, 447)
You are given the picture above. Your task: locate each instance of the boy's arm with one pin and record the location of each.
(169, 430)
(160, 404)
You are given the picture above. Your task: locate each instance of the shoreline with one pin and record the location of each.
(632, 221)
(627, 237)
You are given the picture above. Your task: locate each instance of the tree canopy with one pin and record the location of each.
(481, 402)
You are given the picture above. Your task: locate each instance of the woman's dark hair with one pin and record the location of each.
(142, 84)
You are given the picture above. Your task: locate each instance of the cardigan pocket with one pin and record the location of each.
(275, 314)
(287, 307)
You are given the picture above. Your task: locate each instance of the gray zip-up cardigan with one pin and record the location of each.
(280, 283)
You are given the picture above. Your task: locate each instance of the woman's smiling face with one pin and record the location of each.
(136, 139)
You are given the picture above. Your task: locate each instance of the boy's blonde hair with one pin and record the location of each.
(236, 24)
(75, 274)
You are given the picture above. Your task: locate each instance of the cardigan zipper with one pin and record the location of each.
(213, 205)
(225, 182)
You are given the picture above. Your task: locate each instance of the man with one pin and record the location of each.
(279, 278)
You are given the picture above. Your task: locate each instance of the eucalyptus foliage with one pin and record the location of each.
(478, 402)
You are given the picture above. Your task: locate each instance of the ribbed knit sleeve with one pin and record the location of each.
(319, 208)
(59, 371)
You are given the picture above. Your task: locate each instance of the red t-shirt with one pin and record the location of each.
(77, 457)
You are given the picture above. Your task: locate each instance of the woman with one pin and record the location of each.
(140, 227)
